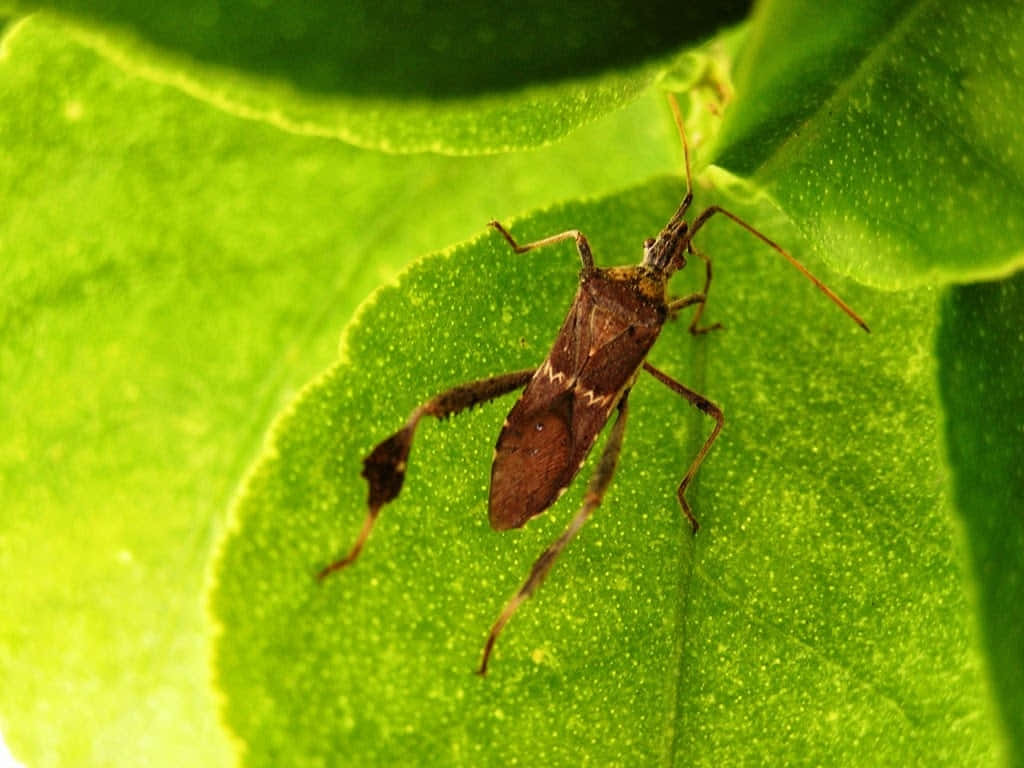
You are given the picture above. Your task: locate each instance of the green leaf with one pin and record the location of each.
(981, 354)
(181, 246)
(171, 276)
(404, 76)
(411, 49)
(821, 615)
(888, 132)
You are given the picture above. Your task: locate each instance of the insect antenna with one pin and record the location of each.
(688, 198)
(707, 213)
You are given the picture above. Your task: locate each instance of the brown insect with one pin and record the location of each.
(597, 356)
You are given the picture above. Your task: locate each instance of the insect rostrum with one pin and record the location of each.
(597, 356)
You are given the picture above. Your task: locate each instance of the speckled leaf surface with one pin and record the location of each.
(821, 614)
(886, 133)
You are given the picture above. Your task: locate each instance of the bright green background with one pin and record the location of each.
(183, 240)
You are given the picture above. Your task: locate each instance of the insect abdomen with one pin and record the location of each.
(553, 426)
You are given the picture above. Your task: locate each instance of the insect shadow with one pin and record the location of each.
(615, 318)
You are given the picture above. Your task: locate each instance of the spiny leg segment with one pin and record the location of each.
(384, 468)
(599, 482)
(704, 405)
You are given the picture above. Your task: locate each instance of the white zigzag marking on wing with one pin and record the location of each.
(555, 377)
(593, 397)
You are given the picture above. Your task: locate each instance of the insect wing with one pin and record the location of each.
(553, 426)
(532, 461)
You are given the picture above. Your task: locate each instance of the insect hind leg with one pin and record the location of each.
(599, 482)
(384, 468)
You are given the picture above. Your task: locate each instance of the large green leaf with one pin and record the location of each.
(885, 131)
(171, 276)
(821, 615)
(981, 354)
(412, 49)
(404, 76)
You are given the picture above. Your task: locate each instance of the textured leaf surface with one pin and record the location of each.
(821, 615)
(887, 134)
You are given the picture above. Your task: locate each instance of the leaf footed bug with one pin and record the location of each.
(601, 348)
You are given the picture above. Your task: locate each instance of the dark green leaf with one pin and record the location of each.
(414, 49)
(889, 133)
(404, 76)
(981, 356)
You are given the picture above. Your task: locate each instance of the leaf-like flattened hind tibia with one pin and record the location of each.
(384, 468)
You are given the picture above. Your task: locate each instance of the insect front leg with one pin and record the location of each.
(704, 405)
(384, 468)
(592, 500)
(572, 234)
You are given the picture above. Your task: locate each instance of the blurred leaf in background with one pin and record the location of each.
(406, 48)
(404, 76)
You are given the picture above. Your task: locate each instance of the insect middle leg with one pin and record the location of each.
(599, 482)
(700, 299)
(384, 468)
(704, 405)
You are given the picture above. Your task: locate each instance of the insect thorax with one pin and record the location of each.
(634, 286)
